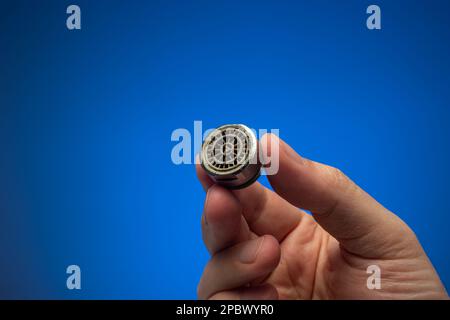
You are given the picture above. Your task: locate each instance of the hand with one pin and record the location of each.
(264, 247)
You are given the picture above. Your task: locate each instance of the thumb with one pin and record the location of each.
(360, 224)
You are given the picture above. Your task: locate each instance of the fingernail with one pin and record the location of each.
(197, 158)
(205, 184)
(250, 250)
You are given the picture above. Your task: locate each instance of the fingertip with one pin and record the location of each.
(202, 176)
(271, 143)
(270, 253)
(221, 207)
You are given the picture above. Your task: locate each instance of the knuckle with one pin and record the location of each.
(336, 178)
(339, 181)
(406, 232)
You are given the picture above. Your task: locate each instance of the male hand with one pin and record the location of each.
(264, 247)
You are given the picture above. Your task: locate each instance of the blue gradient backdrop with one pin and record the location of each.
(86, 118)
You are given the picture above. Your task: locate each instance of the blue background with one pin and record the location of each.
(86, 119)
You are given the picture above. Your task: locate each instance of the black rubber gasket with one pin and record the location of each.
(246, 184)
